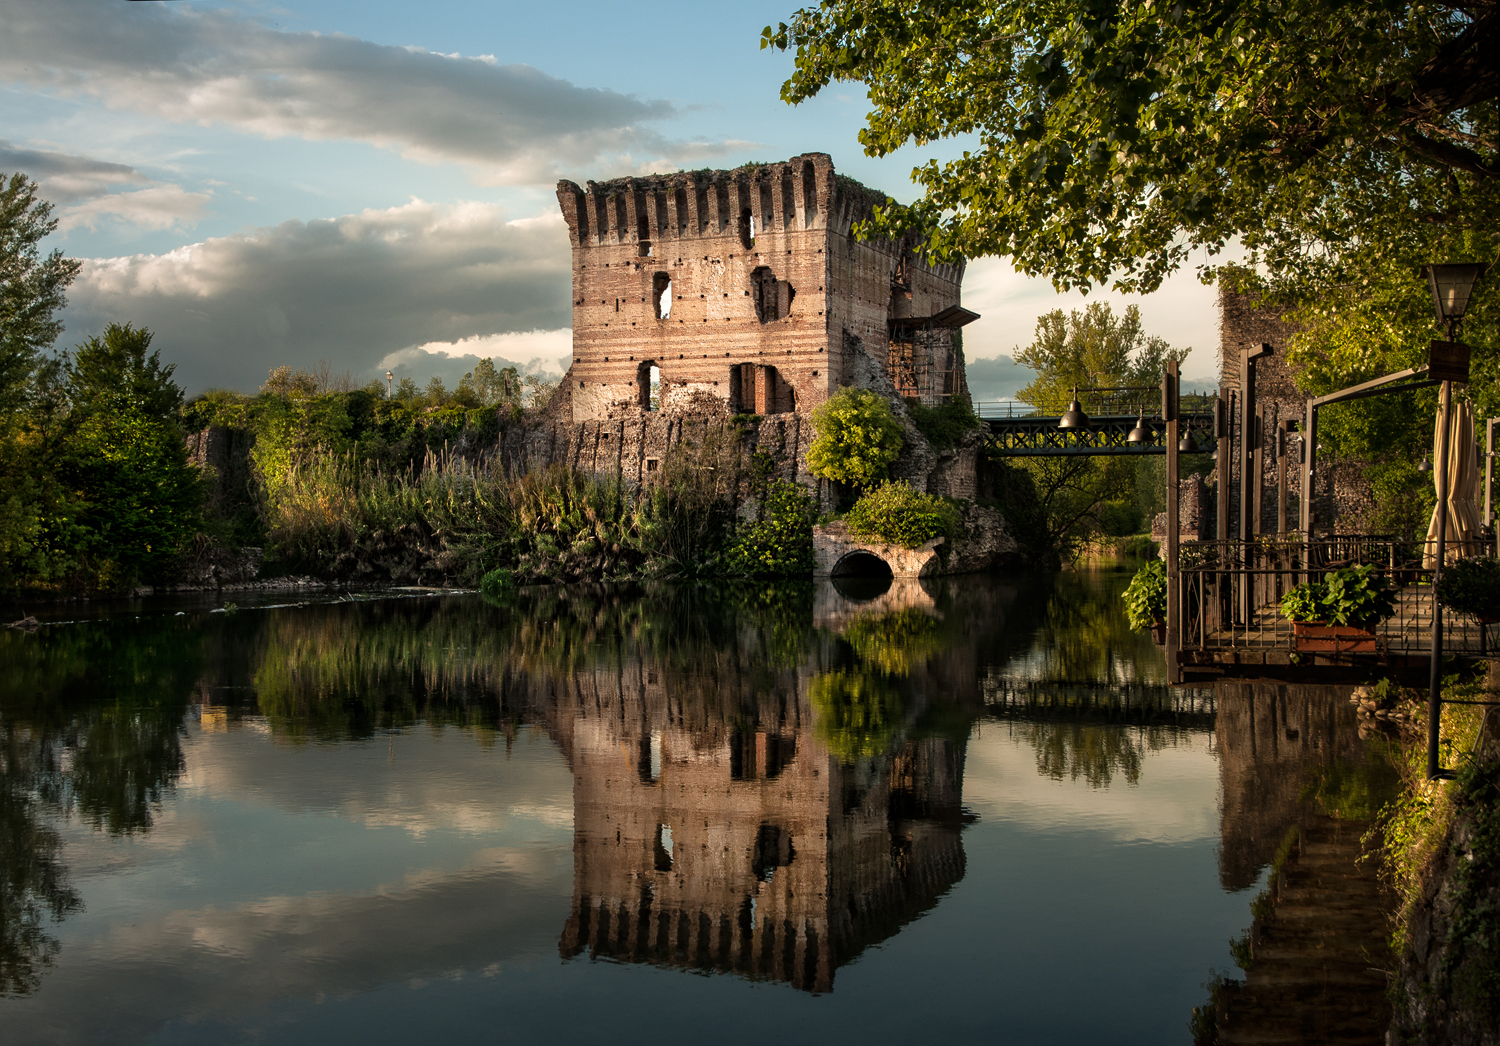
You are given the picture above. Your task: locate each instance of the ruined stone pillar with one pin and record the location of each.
(764, 402)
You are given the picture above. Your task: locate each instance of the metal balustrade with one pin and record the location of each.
(1230, 593)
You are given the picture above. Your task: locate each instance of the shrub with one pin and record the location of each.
(944, 425)
(896, 513)
(858, 438)
(497, 586)
(1304, 603)
(1357, 597)
(1472, 586)
(780, 543)
(1146, 596)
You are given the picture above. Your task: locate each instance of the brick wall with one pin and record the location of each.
(739, 286)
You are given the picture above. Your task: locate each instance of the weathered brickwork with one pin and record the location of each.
(1342, 498)
(737, 291)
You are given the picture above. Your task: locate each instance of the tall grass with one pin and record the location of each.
(454, 518)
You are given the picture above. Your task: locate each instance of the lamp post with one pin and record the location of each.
(1451, 286)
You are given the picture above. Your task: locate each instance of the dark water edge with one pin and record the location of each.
(951, 809)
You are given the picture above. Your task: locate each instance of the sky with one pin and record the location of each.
(372, 184)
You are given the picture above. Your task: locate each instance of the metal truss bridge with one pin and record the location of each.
(1032, 434)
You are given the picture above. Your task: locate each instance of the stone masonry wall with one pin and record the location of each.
(1342, 498)
(738, 286)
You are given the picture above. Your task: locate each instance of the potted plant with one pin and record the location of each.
(1472, 586)
(1146, 600)
(1338, 614)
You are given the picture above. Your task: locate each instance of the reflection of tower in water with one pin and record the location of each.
(730, 840)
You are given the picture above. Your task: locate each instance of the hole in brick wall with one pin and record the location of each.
(648, 385)
(661, 295)
(645, 248)
(747, 228)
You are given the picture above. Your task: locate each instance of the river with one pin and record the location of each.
(968, 810)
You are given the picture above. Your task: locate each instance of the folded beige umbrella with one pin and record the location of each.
(1462, 538)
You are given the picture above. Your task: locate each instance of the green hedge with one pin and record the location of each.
(895, 513)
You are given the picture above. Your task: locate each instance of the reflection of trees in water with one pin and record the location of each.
(91, 723)
(1095, 752)
(1082, 635)
(894, 642)
(858, 713)
(342, 671)
(33, 880)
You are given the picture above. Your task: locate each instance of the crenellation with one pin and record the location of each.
(770, 279)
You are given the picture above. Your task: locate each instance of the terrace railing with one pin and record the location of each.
(1230, 592)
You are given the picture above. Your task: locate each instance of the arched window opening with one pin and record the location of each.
(773, 297)
(661, 295)
(809, 193)
(648, 385)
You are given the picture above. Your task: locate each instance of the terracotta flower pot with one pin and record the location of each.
(1317, 637)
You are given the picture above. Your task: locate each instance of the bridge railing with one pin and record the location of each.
(1230, 592)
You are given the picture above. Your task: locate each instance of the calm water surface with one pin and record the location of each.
(968, 811)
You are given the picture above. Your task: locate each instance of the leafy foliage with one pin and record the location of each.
(895, 513)
(1091, 348)
(945, 425)
(858, 438)
(779, 544)
(497, 586)
(31, 288)
(1304, 602)
(1114, 141)
(1472, 586)
(1146, 596)
(1358, 596)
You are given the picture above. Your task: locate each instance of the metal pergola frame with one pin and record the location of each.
(1374, 387)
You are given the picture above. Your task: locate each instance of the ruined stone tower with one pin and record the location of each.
(745, 290)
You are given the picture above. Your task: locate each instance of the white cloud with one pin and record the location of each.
(349, 290)
(88, 190)
(511, 123)
(159, 207)
(554, 347)
(65, 177)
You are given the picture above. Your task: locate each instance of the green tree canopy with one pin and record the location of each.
(124, 460)
(1091, 348)
(31, 286)
(858, 438)
(1111, 140)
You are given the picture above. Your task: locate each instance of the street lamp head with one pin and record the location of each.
(1425, 466)
(1188, 445)
(1074, 417)
(1140, 434)
(1451, 286)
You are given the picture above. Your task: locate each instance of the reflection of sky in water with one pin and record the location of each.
(331, 891)
(414, 887)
